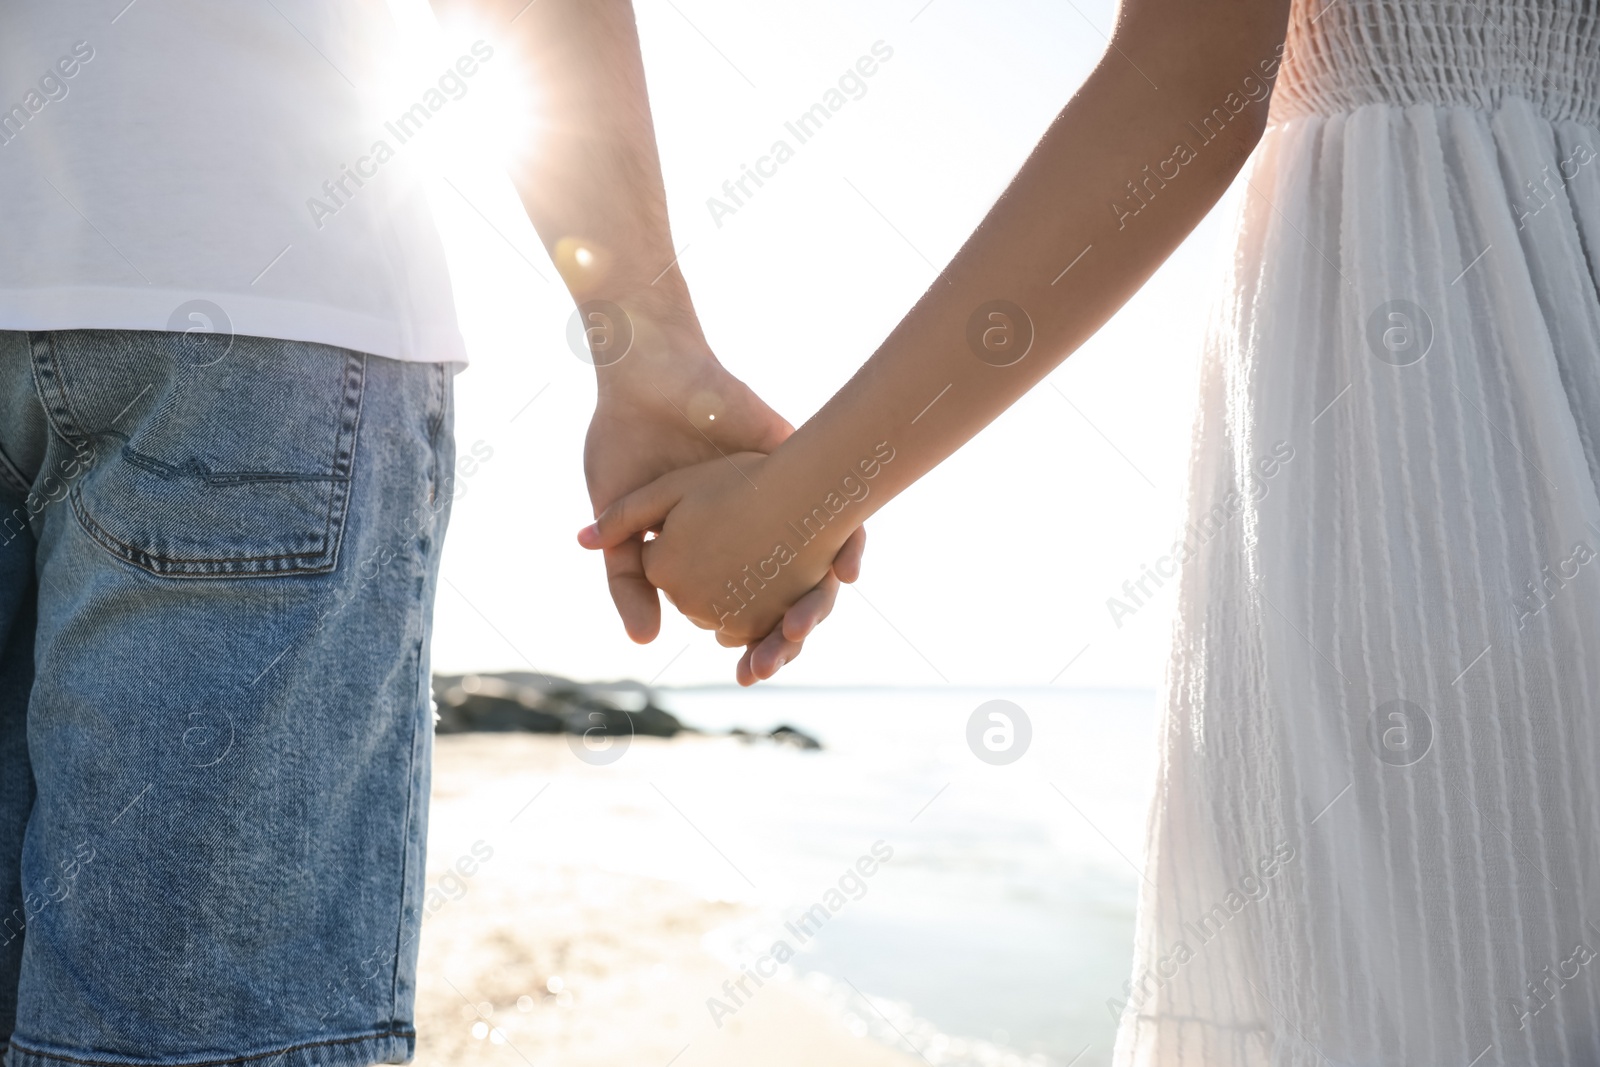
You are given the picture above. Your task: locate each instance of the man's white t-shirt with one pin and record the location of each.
(165, 164)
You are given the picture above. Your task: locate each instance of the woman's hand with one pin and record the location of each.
(763, 659)
(729, 556)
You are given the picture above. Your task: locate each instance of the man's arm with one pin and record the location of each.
(591, 182)
(591, 179)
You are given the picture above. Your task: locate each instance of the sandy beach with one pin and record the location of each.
(537, 950)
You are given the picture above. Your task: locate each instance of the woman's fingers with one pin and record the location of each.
(763, 659)
(619, 532)
(804, 614)
(632, 515)
(847, 564)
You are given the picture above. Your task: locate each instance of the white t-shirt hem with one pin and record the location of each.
(150, 308)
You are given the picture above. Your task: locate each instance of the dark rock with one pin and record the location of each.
(540, 703)
(782, 734)
(590, 715)
(785, 734)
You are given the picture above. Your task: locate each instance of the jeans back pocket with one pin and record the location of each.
(204, 466)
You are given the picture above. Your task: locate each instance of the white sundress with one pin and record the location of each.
(1375, 837)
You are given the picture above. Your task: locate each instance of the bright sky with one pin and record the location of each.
(996, 568)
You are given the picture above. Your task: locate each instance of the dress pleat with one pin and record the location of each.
(1375, 834)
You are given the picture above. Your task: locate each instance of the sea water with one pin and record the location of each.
(1000, 929)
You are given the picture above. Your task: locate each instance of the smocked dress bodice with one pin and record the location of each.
(1346, 54)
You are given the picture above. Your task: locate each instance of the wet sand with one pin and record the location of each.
(535, 953)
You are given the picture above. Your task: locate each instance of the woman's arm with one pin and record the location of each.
(1132, 163)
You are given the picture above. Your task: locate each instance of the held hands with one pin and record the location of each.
(728, 557)
(682, 414)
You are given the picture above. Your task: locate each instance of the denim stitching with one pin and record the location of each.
(436, 418)
(411, 802)
(47, 377)
(195, 469)
(420, 685)
(344, 457)
(165, 568)
(435, 424)
(316, 560)
(404, 1032)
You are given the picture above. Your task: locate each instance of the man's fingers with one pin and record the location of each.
(632, 514)
(847, 564)
(742, 673)
(631, 592)
(804, 614)
(771, 653)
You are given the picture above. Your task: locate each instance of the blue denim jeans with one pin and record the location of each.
(217, 569)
